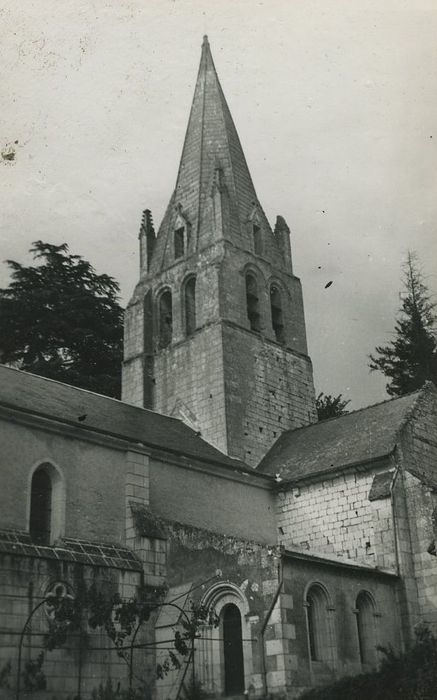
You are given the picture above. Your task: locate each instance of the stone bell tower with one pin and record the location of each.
(215, 329)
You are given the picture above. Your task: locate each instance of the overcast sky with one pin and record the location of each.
(335, 102)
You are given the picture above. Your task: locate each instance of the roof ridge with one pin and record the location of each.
(356, 410)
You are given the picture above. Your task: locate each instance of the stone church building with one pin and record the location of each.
(314, 543)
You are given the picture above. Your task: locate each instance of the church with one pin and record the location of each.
(212, 481)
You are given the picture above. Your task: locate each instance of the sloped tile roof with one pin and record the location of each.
(92, 412)
(357, 437)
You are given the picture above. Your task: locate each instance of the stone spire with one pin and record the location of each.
(212, 164)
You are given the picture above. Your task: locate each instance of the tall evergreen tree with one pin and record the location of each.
(411, 358)
(328, 406)
(60, 319)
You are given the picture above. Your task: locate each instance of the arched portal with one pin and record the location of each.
(233, 650)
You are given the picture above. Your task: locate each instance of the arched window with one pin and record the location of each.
(277, 318)
(320, 642)
(190, 306)
(252, 303)
(257, 239)
(233, 650)
(365, 612)
(41, 506)
(165, 318)
(179, 243)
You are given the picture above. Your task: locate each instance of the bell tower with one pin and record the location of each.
(215, 330)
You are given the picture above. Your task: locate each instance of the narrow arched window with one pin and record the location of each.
(165, 318)
(190, 306)
(233, 650)
(318, 624)
(257, 239)
(252, 301)
(277, 317)
(365, 612)
(40, 507)
(179, 243)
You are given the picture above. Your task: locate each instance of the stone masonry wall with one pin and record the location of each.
(191, 374)
(24, 582)
(269, 389)
(335, 516)
(418, 457)
(342, 586)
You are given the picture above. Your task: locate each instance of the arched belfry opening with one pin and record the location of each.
(190, 306)
(277, 316)
(165, 319)
(252, 302)
(233, 650)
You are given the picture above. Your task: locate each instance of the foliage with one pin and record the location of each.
(60, 319)
(330, 406)
(183, 641)
(411, 676)
(5, 673)
(33, 675)
(411, 358)
(91, 608)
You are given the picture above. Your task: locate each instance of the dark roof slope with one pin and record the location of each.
(37, 395)
(356, 437)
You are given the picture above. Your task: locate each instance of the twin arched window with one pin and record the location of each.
(320, 626)
(253, 308)
(165, 312)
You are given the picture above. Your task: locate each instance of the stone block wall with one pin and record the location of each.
(335, 516)
(342, 586)
(268, 389)
(24, 582)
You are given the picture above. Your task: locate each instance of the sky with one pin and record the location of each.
(335, 103)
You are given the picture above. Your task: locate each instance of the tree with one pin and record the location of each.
(60, 319)
(411, 358)
(328, 406)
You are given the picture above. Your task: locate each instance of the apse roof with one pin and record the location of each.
(357, 437)
(88, 411)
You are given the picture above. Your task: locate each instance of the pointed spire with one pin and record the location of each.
(211, 141)
(211, 146)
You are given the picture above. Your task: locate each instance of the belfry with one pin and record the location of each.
(215, 330)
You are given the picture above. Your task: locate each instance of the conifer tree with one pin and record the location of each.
(411, 358)
(60, 319)
(328, 406)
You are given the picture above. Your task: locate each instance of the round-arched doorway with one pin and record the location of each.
(233, 650)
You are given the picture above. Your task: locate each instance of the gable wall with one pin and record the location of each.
(335, 516)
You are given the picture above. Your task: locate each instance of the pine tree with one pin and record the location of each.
(60, 319)
(411, 358)
(328, 406)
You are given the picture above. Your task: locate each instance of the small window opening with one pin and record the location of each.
(40, 507)
(257, 240)
(365, 612)
(190, 306)
(179, 243)
(277, 318)
(165, 319)
(252, 303)
(318, 624)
